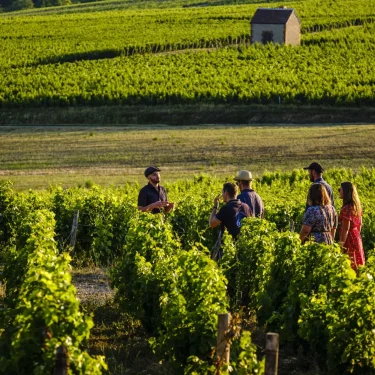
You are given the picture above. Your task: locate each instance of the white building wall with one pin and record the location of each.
(257, 30)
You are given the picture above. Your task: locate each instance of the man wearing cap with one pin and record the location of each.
(316, 177)
(153, 197)
(248, 195)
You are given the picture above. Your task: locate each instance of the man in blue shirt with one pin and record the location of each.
(316, 177)
(248, 195)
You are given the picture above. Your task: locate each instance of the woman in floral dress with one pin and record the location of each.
(350, 220)
(320, 219)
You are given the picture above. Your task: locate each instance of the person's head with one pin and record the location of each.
(349, 196)
(229, 191)
(153, 175)
(315, 171)
(318, 195)
(243, 180)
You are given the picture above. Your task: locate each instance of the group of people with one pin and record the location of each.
(320, 219)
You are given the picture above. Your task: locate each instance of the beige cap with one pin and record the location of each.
(244, 176)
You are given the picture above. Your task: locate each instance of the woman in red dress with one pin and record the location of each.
(350, 220)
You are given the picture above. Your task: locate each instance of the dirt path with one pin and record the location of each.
(92, 285)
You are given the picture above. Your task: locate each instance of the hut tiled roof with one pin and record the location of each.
(272, 15)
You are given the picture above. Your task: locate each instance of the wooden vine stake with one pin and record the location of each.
(73, 233)
(272, 353)
(223, 348)
(61, 361)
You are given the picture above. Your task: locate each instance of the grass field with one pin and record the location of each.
(36, 157)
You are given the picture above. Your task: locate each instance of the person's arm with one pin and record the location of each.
(150, 207)
(332, 197)
(345, 225)
(305, 231)
(259, 205)
(308, 222)
(335, 223)
(213, 222)
(333, 233)
(261, 209)
(169, 208)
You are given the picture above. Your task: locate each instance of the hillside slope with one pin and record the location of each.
(104, 54)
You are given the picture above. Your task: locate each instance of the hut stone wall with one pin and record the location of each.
(293, 31)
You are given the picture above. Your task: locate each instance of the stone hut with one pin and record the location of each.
(276, 25)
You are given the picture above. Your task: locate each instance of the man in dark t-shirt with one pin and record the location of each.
(248, 195)
(153, 196)
(228, 216)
